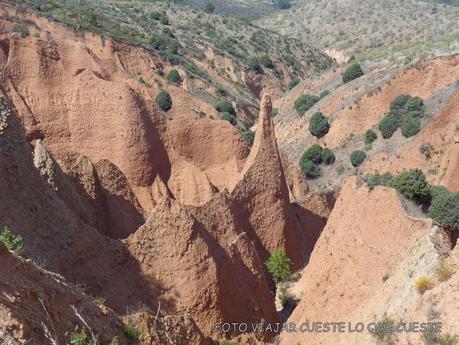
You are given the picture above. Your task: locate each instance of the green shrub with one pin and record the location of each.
(415, 104)
(412, 185)
(274, 112)
(352, 72)
(227, 342)
(164, 19)
(282, 4)
(357, 157)
(11, 241)
(21, 30)
(78, 338)
(100, 300)
(410, 126)
(318, 125)
(279, 265)
(304, 103)
(115, 341)
(225, 106)
(266, 61)
(369, 137)
(210, 7)
(293, 83)
(389, 124)
(229, 117)
(378, 180)
(444, 207)
(157, 42)
(248, 137)
(310, 170)
(174, 77)
(131, 332)
(163, 100)
(313, 154)
(399, 102)
(324, 94)
(327, 155)
(254, 64)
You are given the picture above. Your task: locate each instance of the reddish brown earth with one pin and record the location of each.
(364, 266)
(171, 217)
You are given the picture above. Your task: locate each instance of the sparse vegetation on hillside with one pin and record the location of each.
(279, 265)
(352, 72)
(248, 137)
(11, 241)
(304, 103)
(318, 125)
(163, 100)
(373, 29)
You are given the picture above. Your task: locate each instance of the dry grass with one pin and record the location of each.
(423, 283)
(445, 269)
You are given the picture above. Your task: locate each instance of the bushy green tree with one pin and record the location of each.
(254, 64)
(158, 42)
(174, 77)
(399, 102)
(225, 106)
(310, 170)
(282, 4)
(210, 7)
(274, 112)
(248, 137)
(324, 94)
(229, 117)
(327, 155)
(369, 137)
(279, 265)
(410, 126)
(293, 83)
(412, 185)
(357, 157)
(11, 241)
(318, 125)
(313, 154)
(163, 100)
(378, 180)
(352, 72)
(266, 61)
(304, 103)
(389, 124)
(444, 207)
(415, 104)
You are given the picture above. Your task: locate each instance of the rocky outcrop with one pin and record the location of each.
(203, 263)
(39, 307)
(263, 195)
(356, 273)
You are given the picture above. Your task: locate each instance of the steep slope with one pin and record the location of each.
(371, 29)
(357, 274)
(358, 106)
(266, 200)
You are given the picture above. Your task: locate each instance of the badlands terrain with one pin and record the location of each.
(169, 174)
